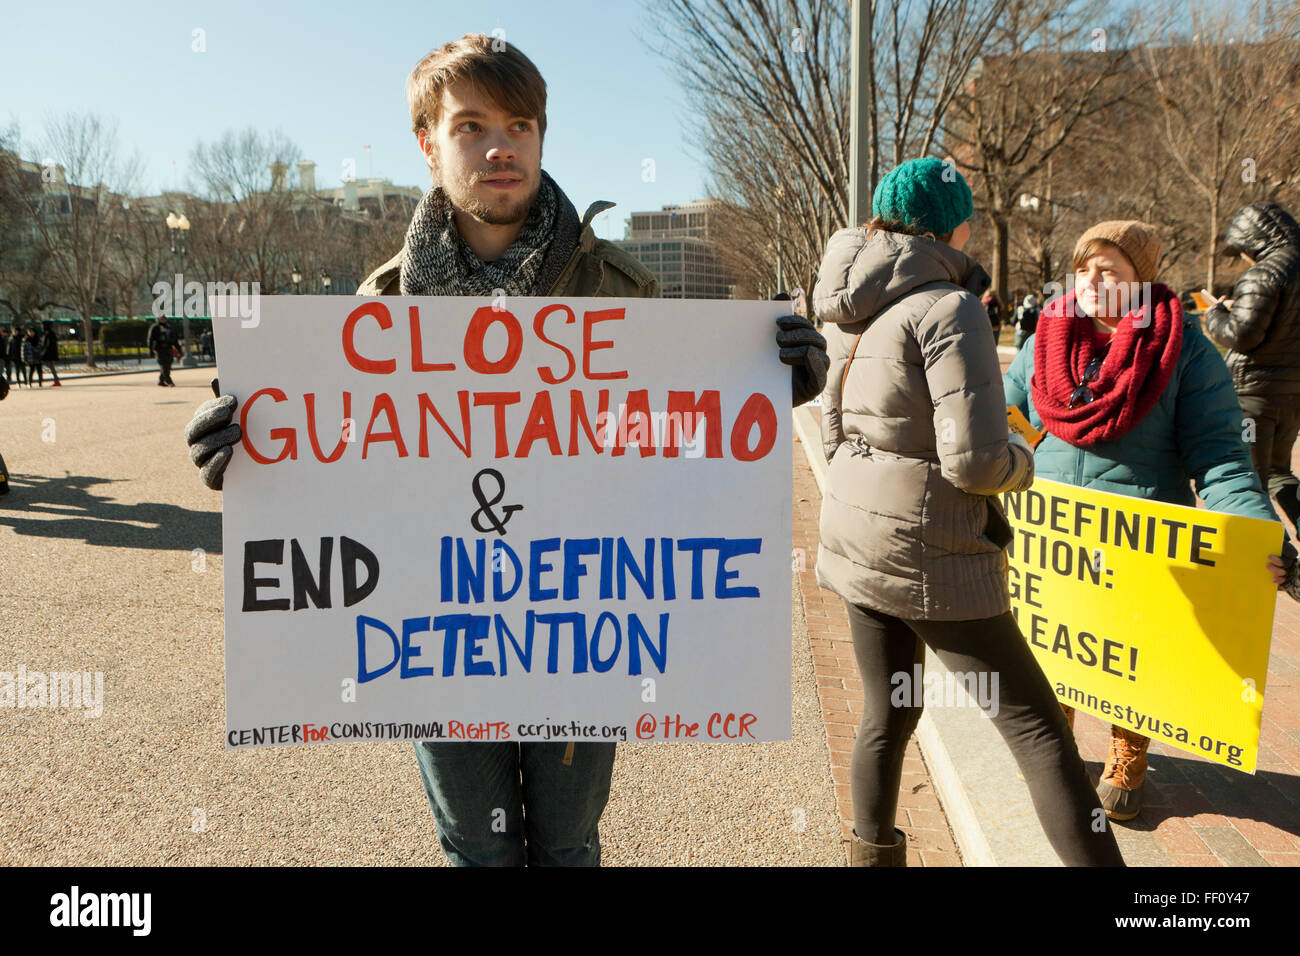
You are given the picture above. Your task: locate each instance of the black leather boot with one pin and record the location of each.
(862, 853)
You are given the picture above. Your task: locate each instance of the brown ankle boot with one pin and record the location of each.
(862, 853)
(1121, 783)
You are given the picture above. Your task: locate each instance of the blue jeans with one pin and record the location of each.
(509, 804)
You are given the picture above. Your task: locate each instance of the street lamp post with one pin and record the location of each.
(296, 276)
(780, 277)
(325, 282)
(862, 50)
(179, 226)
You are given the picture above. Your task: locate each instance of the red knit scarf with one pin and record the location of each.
(1133, 374)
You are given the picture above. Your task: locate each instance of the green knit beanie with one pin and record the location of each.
(927, 194)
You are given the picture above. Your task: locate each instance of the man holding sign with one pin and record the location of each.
(495, 225)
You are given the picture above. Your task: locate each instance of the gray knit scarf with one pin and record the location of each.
(437, 261)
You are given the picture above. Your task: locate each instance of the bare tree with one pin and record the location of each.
(137, 256)
(25, 281)
(250, 213)
(1095, 175)
(366, 249)
(768, 87)
(1117, 162)
(1228, 105)
(918, 67)
(84, 189)
(215, 244)
(1049, 65)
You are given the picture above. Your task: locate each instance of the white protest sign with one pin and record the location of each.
(534, 519)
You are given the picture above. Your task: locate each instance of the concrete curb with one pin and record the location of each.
(975, 777)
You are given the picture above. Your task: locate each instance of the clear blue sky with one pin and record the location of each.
(331, 76)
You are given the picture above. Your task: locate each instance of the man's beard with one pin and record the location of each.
(463, 197)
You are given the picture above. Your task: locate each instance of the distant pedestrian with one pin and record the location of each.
(49, 355)
(1261, 326)
(4, 353)
(14, 356)
(162, 343)
(1026, 319)
(993, 305)
(30, 355)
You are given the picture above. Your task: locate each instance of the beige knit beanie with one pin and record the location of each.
(1136, 239)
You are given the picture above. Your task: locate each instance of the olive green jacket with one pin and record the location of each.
(597, 268)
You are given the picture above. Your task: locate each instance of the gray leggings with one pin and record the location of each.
(1028, 718)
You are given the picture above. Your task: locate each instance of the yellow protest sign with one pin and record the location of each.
(1152, 616)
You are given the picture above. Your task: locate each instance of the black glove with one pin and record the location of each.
(1291, 584)
(804, 349)
(211, 436)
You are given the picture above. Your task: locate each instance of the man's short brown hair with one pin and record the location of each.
(497, 69)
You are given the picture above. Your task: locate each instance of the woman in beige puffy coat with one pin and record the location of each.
(915, 431)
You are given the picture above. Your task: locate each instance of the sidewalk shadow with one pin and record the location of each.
(74, 512)
(1182, 787)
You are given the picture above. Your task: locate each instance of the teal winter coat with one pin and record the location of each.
(1193, 433)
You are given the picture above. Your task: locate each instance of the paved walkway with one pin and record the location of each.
(111, 558)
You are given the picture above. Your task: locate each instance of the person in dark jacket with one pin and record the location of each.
(1260, 325)
(5, 364)
(1026, 319)
(1135, 401)
(162, 339)
(49, 355)
(993, 305)
(14, 356)
(30, 355)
